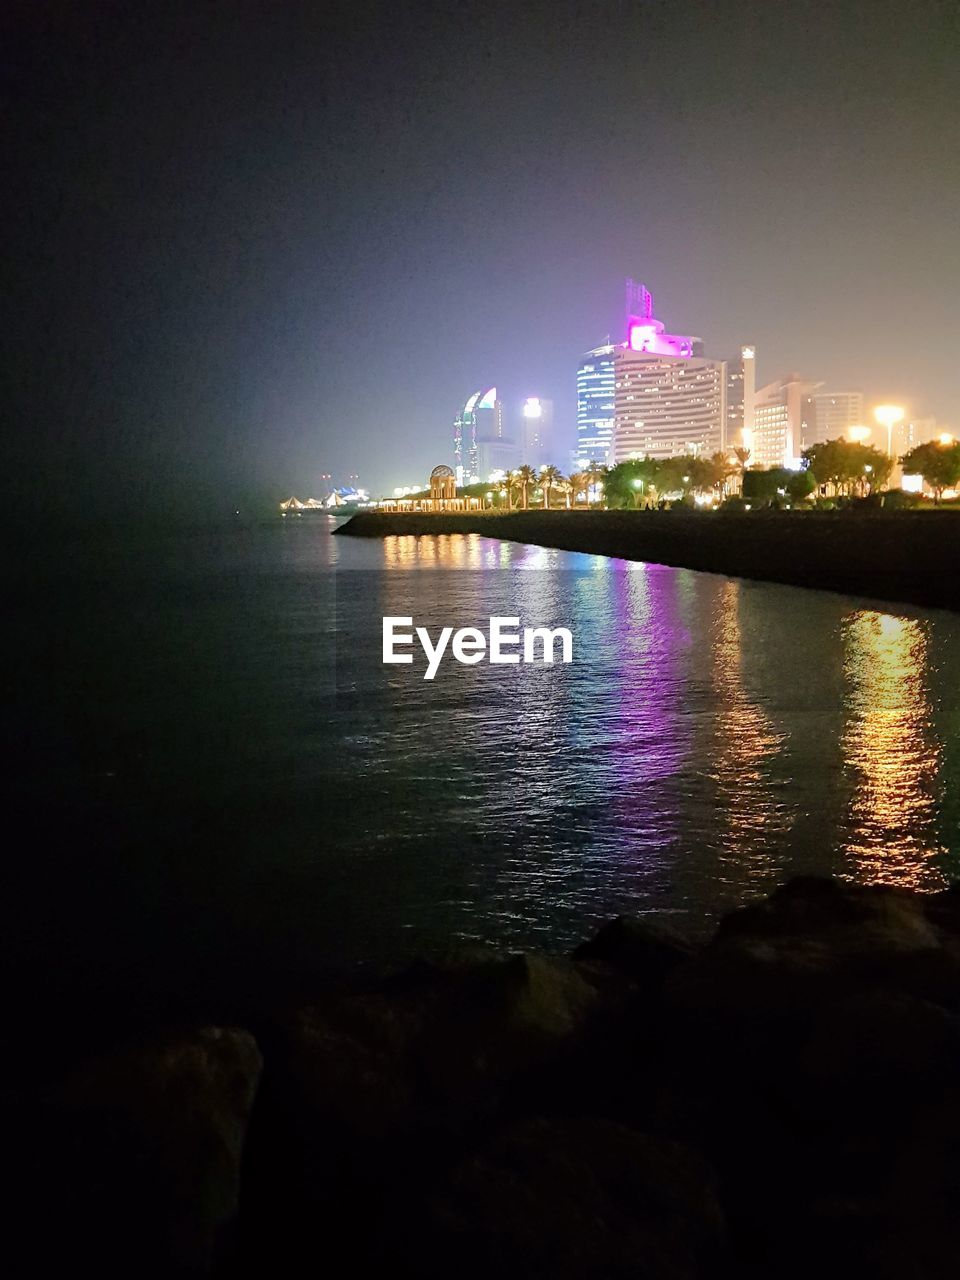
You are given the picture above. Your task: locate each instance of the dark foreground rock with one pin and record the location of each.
(133, 1162)
(781, 1102)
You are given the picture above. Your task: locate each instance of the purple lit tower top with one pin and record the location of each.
(645, 333)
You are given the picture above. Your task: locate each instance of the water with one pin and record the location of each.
(216, 773)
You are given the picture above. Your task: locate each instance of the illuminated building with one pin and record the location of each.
(481, 418)
(782, 417)
(495, 454)
(536, 431)
(668, 397)
(834, 413)
(595, 393)
(907, 435)
(741, 386)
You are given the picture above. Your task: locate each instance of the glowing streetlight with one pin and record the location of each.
(945, 438)
(888, 415)
(857, 434)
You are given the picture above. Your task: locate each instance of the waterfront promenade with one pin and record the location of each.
(904, 556)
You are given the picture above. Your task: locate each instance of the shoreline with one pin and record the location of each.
(645, 1106)
(899, 557)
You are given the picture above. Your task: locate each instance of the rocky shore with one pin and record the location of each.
(901, 556)
(783, 1101)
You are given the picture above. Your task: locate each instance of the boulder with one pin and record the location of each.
(141, 1160)
(645, 951)
(569, 1199)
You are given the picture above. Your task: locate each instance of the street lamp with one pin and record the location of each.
(857, 434)
(888, 415)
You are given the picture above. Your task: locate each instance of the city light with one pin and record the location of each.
(945, 438)
(858, 434)
(888, 415)
(532, 408)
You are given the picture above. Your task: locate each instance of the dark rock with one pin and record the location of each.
(644, 951)
(141, 1160)
(569, 1200)
(370, 1092)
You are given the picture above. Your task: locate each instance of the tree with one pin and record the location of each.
(850, 468)
(523, 479)
(742, 455)
(939, 464)
(550, 478)
(628, 482)
(800, 484)
(679, 474)
(723, 467)
(578, 483)
(595, 473)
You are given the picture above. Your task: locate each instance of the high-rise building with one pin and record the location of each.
(481, 418)
(783, 418)
(741, 393)
(494, 455)
(668, 397)
(595, 392)
(668, 405)
(907, 435)
(834, 413)
(536, 431)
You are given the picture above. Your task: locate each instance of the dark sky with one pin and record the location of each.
(247, 244)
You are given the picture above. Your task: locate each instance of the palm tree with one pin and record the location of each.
(594, 473)
(522, 479)
(579, 482)
(550, 478)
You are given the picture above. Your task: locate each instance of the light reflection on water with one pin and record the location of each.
(890, 749)
(712, 738)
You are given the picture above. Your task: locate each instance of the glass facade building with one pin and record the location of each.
(595, 414)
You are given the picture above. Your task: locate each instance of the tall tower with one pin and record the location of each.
(595, 392)
(668, 398)
(741, 394)
(481, 418)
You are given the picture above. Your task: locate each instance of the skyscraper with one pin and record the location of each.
(834, 413)
(668, 397)
(481, 418)
(595, 393)
(741, 393)
(783, 418)
(536, 443)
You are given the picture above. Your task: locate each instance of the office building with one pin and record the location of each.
(480, 419)
(536, 431)
(595, 394)
(783, 418)
(741, 390)
(834, 413)
(668, 397)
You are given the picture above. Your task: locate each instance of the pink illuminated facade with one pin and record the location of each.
(669, 398)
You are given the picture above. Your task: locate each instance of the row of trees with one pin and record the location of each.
(853, 470)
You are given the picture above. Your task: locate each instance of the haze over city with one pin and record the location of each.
(245, 254)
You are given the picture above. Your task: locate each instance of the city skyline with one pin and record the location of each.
(236, 271)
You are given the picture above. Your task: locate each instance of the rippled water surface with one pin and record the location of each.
(216, 710)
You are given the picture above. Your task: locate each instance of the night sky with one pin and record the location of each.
(249, 244)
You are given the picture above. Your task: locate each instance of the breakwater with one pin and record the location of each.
(778, 1103)
(904, 556)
